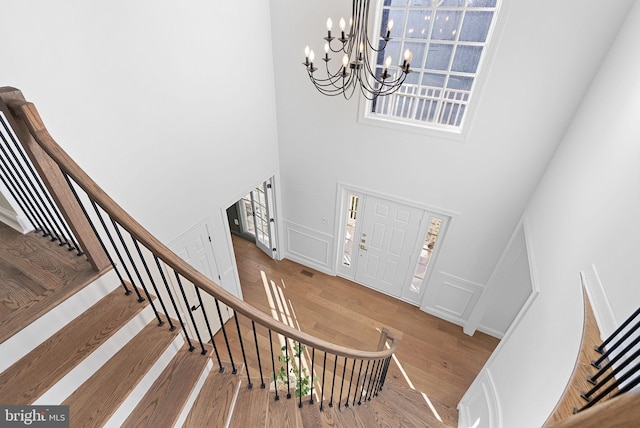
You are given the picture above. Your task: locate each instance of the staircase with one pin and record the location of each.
(126, 333)
(113, 365)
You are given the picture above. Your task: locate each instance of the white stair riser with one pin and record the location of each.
(132, 400)
(29, 338)
(86, 368)
(194, 394)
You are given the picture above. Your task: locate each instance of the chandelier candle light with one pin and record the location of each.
(356, 70)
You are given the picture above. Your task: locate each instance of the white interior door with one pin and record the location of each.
(261, 200)
(388, 237)
(195, 248)
(257, 213)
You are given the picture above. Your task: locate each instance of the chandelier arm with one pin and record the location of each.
(359, 69)
(331, 91)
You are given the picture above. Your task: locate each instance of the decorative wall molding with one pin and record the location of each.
(309, 247)
(481, 401)
(454, 298)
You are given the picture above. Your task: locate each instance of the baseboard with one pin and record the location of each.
(602, 310)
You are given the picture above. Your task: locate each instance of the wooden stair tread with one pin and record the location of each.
(283, 413)
(95, 401)
(35, 276)
(161, 404)
(400, 404)
(258, 400)
(37, 371)
(214, 401)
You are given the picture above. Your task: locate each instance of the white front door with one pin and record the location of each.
(389, 235)
(195, 248)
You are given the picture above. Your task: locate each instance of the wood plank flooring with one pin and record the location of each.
(437, 357)
(36, 274)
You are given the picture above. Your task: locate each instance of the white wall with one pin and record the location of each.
(543, 52)
(152, 98)
(583, 218)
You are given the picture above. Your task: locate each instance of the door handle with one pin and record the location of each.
(362, 247)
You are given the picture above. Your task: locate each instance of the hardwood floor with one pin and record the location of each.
(438, 358)
(35, 275)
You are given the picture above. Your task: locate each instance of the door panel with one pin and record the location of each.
(195, 248)
(387, 242)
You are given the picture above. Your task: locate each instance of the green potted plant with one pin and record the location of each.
(297, 377)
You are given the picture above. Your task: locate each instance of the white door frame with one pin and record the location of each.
(344, 190)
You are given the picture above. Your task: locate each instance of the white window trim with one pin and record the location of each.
(461, 133)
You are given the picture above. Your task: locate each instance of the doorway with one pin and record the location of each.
(253, 217)
(388, 245)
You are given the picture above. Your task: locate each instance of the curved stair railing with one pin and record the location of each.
(108, 236)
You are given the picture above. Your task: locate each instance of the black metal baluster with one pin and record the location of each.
(18, 185)
(18, 197)
(373, 380)
(611, 362)
(286, 359)
(384, 373)
(20, 200)
(313, 356)
(344, 371)
(255, 338)
(234, 370)
(173, 302)
(587, 395)
(206, 322)
(324, 371)
(273, 365)
(353, 369)
(355, 391)
(364, 390)
(61, 223)
(135, 268)
(333, 381)
(32, 177)
(613, 386)
(244, 356)
(36, 196)
(299, 374)
(193, 321)
(115, 249)
(628, 321)
(95, 232)
(153, 284)
(619, 342)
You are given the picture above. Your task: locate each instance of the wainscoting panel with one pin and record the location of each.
(480, 406)
(453, 298)
(308, 247)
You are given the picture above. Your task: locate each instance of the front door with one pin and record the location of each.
(388, 237)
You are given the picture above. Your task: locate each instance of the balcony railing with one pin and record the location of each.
(424, 104)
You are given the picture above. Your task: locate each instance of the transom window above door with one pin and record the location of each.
(447, 40)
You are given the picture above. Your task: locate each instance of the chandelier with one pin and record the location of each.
(356, 69)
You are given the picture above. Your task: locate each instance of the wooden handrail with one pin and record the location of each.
(56, 184)
(621, 411)
(28, 113)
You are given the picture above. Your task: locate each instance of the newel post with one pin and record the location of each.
(11, 99)
(384, 335)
